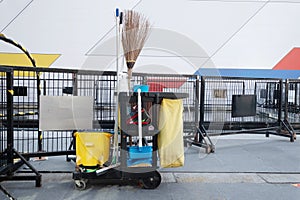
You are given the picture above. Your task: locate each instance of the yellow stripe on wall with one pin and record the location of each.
(20, 59)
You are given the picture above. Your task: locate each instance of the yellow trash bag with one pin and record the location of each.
(92, 148)
(170, 138)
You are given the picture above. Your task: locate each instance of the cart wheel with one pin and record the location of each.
(151, 182)
(295, 136)
(213, 150)
(80, 184)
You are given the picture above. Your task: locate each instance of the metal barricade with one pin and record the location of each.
(4, 116)
(232, 103)
(176, 84)
(292, 104)
(29, 83)
(8, 152)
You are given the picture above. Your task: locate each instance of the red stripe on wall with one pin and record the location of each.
(290, 62)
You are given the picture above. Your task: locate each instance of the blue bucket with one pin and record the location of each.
(144, 88)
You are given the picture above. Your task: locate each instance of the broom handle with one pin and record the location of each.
(129, 76)
(116, 126)
(140, 117)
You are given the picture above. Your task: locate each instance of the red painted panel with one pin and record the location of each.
(290, 62)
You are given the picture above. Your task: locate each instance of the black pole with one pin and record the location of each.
(197, 101)
(280, 99)
(7, 193)
(202, 96)
(10, 108)
(286, 99)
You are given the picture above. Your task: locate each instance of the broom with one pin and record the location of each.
(134, 35)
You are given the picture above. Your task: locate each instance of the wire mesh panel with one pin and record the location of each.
(102, 86)
(6, 120)
(28, 83)
(292, 101)
(56, 83)
(25, 111)
(3, 117)
(229, 103)
(176, 84)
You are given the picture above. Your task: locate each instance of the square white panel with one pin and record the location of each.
(66, 112)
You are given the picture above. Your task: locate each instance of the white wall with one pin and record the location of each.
(186, 34)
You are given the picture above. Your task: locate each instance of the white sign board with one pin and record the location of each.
(65, 112)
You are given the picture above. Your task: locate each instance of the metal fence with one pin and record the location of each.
(176, 84)
(229, 103)
(30, 83)
(7, 134)
(220, 103)
(215, 106)
(292, 103)
(4, 116)
(239, 105)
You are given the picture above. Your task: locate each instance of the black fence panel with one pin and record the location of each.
(232, 103)
(29, 84)
(176, 84)
(102, 86)
(292, 102)
(4, 104)
(8, 152)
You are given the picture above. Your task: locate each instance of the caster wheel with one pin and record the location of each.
(80, 184)
(295, 136)
(152, 181)
(213, 149)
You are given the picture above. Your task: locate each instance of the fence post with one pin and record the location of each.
(197, 101)
(202, 96)
(38, 85)
(286, 95)
(10, 109)
(280, 100)
(75, 84)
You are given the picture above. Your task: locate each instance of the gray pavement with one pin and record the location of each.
(243, 167)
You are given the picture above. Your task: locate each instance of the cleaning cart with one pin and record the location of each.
(139, 130)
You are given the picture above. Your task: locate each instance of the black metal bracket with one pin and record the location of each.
(202, 139)
(7, 173)
(288, 128)
(6, 193)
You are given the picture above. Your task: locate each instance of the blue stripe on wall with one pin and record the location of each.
(252, 73)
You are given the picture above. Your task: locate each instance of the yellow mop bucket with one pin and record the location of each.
(92, 148)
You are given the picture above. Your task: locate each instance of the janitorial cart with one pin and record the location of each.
(138, 152)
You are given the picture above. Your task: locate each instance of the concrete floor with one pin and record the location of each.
(243, 167)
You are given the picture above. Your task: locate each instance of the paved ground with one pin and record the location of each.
(243, 167)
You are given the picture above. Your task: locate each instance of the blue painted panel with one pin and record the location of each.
(253, 73)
